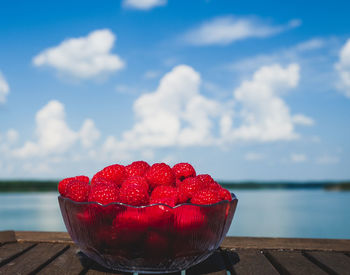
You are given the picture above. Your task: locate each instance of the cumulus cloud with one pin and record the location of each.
(264, 115)
(175, 114)
(144, 4)
(83, 57)
(302, 120)
(229, 29)
(343, 69)
(53, 135)
(4, 88)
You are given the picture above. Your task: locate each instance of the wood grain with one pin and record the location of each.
(293, 262)
(333, 262)
(252, 261)
(33, 259)
(7, 236)
(286, 243)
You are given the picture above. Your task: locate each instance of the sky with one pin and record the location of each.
(246, 90)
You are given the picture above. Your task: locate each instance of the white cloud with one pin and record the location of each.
(265, 116)
(83, 57)
(144, 4)
(88, 133)
(175, 114)
(253, 156)
(298, 158)
(12, 136)
(229, 29)
(302, 120)
(54, 135)
(343, 69)
(4, 88)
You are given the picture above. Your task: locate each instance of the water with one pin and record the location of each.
(268, 213)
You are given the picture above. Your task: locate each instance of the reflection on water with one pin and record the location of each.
(270, 213)
(30, 211)
(285, 213)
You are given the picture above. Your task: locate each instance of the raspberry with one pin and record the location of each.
(165, 194)
(62, 185)
(98, 181)
(189, 218)
(131, 225)
(160, 217)
(134, 191)
(205, 179)
(188, 187)
(214, 185)
(78, 191)
(206, 196)
(160, 174)
(137, 168)
(224, 194)
(103, 193)
(183, 170)
(114, 173)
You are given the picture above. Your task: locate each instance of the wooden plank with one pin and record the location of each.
(252, 261)
(331, 261)
(292, 262)
(33, 260)
(47, 237)
(11, 250)
(286, 243)
(7, 236)
(66, 263)
(215, 264)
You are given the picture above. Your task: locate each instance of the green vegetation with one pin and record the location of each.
(331, 186)
(51, 185)
(28, 185)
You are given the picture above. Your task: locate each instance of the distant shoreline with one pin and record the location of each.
(51, 185)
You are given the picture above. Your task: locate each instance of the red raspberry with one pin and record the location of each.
(134, 191)
(114, 173)
(98, 181)
(224, 194)
(160, 174)
(131, 225)
(205, 179)
(160, 217)
(183, 170)
(188, 187)
(214, 185)
(189, 218)
(63, 183)
(137, 168)
(104, 193)
(165, 194)
(206, 196)
(77, 191)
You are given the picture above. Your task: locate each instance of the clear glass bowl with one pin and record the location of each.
(147, 239)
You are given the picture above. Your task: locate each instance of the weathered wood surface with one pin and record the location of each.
(55, 253)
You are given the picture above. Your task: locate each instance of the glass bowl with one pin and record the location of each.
(148, 239)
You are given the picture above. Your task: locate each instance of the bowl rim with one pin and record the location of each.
(234, 198)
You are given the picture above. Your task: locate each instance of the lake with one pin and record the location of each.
(268, 213)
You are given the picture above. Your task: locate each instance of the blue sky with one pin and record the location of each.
(242, 90)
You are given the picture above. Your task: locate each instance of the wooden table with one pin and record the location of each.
(54, 253)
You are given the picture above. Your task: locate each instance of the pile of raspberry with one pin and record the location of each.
(140, 184)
